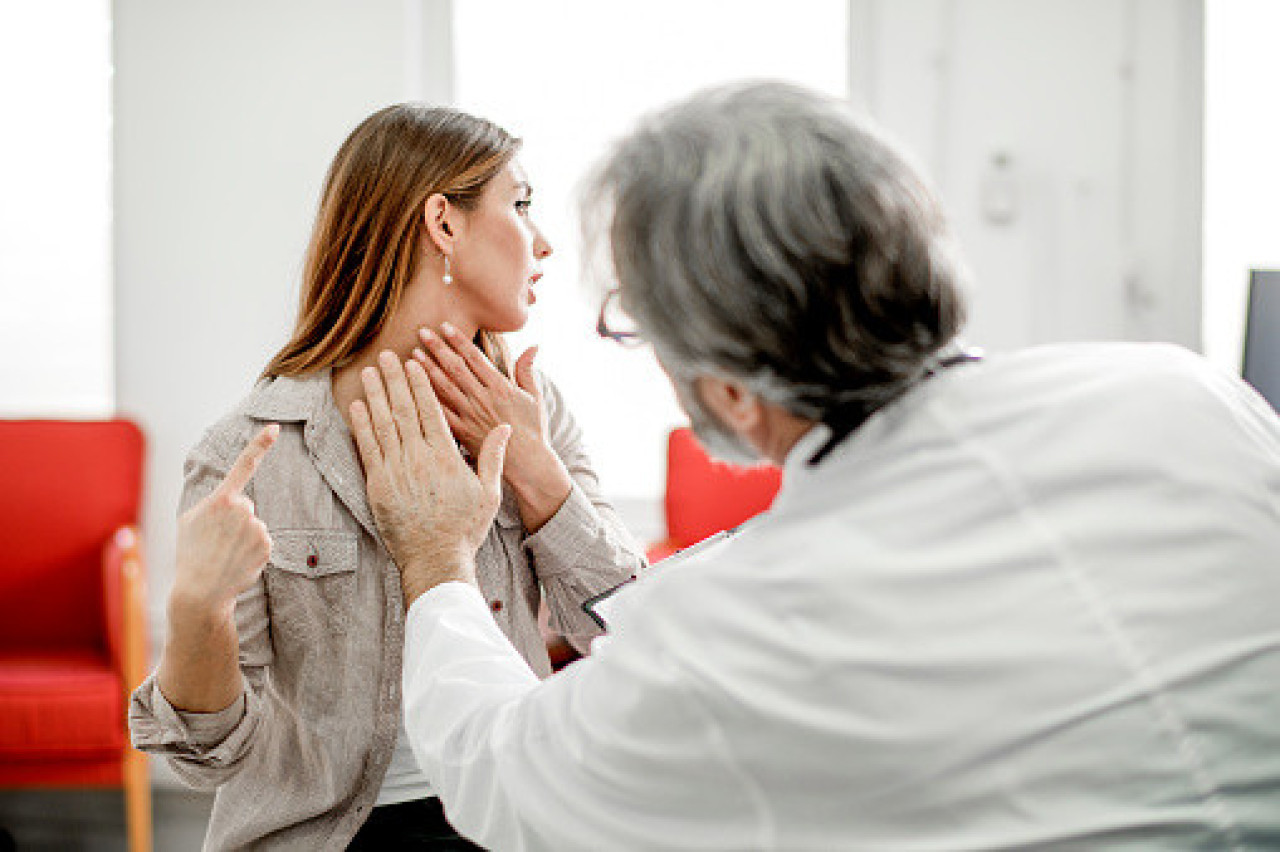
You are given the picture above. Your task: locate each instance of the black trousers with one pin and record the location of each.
(410, 827)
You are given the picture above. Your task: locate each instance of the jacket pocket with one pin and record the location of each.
(311, 585)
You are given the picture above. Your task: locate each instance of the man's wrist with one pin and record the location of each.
(422, 575)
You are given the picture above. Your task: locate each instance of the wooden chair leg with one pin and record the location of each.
(123, 553)
(137, 800)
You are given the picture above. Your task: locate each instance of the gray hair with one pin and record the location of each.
(759, 231)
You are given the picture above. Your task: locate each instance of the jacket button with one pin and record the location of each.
(313, 561)
(496, 606)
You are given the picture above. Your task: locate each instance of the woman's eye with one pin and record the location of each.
(524, 204)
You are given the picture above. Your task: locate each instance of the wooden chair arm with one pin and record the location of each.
(125, 601)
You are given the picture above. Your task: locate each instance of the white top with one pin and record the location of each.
(1034, 604)
(404, 780)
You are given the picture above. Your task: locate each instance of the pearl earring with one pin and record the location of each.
(448, 276)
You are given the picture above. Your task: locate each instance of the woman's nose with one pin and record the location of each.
(541, 248)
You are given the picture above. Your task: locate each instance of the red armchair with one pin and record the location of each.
(72, 613)
(705, 496)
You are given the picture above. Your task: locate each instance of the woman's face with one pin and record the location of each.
(497, 261)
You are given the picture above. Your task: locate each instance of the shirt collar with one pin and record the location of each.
(309, 400)
(290, 399)
(803, 449)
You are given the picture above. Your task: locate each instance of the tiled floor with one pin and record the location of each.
(93, 820)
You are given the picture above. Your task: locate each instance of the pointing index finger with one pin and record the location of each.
(246, 463)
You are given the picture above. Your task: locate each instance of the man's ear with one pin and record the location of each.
(731, 402)
(441, 220)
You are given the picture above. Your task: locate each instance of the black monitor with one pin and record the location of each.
(1262, 335)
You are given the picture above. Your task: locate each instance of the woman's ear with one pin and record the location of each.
(441, 221)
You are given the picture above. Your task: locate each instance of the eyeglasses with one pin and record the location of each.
(615, 324)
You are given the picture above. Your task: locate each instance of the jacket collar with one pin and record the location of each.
(804, 448)
(289, 399)
(309, 400)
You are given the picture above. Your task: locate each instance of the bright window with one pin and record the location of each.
(55, 209)
(1242, 172)
(570, 76)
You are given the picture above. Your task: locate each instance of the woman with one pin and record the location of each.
(280, 684)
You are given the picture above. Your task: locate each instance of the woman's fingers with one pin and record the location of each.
(456, 426)
(246, 463)
(384, 425)
(524, 372)
(446, 391)
(480, 365)
(452, 363)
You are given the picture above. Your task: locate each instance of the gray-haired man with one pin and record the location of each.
(1027, 602)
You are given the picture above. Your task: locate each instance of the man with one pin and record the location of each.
(1022, 602)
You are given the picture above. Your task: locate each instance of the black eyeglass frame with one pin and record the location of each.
(623, 338)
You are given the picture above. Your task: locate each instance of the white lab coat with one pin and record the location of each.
(1034, 604)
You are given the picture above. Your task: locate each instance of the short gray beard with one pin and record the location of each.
(720, 441)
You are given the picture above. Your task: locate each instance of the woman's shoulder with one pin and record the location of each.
(283, 400)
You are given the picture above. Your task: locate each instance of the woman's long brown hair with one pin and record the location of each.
(369, 233)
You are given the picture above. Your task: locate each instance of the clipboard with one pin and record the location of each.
(598, 606)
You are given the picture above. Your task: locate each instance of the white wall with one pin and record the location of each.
(1092, 229)
(55, 211)
(226, 116)
(1242, 166)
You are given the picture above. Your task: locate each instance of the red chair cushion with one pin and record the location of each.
(59, 706)
(705, 496)
(67, 487)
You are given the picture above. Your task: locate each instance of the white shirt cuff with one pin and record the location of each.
(446, 596)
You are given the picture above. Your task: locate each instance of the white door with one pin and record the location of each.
(1060, 136)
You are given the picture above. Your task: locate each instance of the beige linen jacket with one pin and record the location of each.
(298, 760)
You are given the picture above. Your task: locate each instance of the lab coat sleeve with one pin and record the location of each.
(619, 751)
